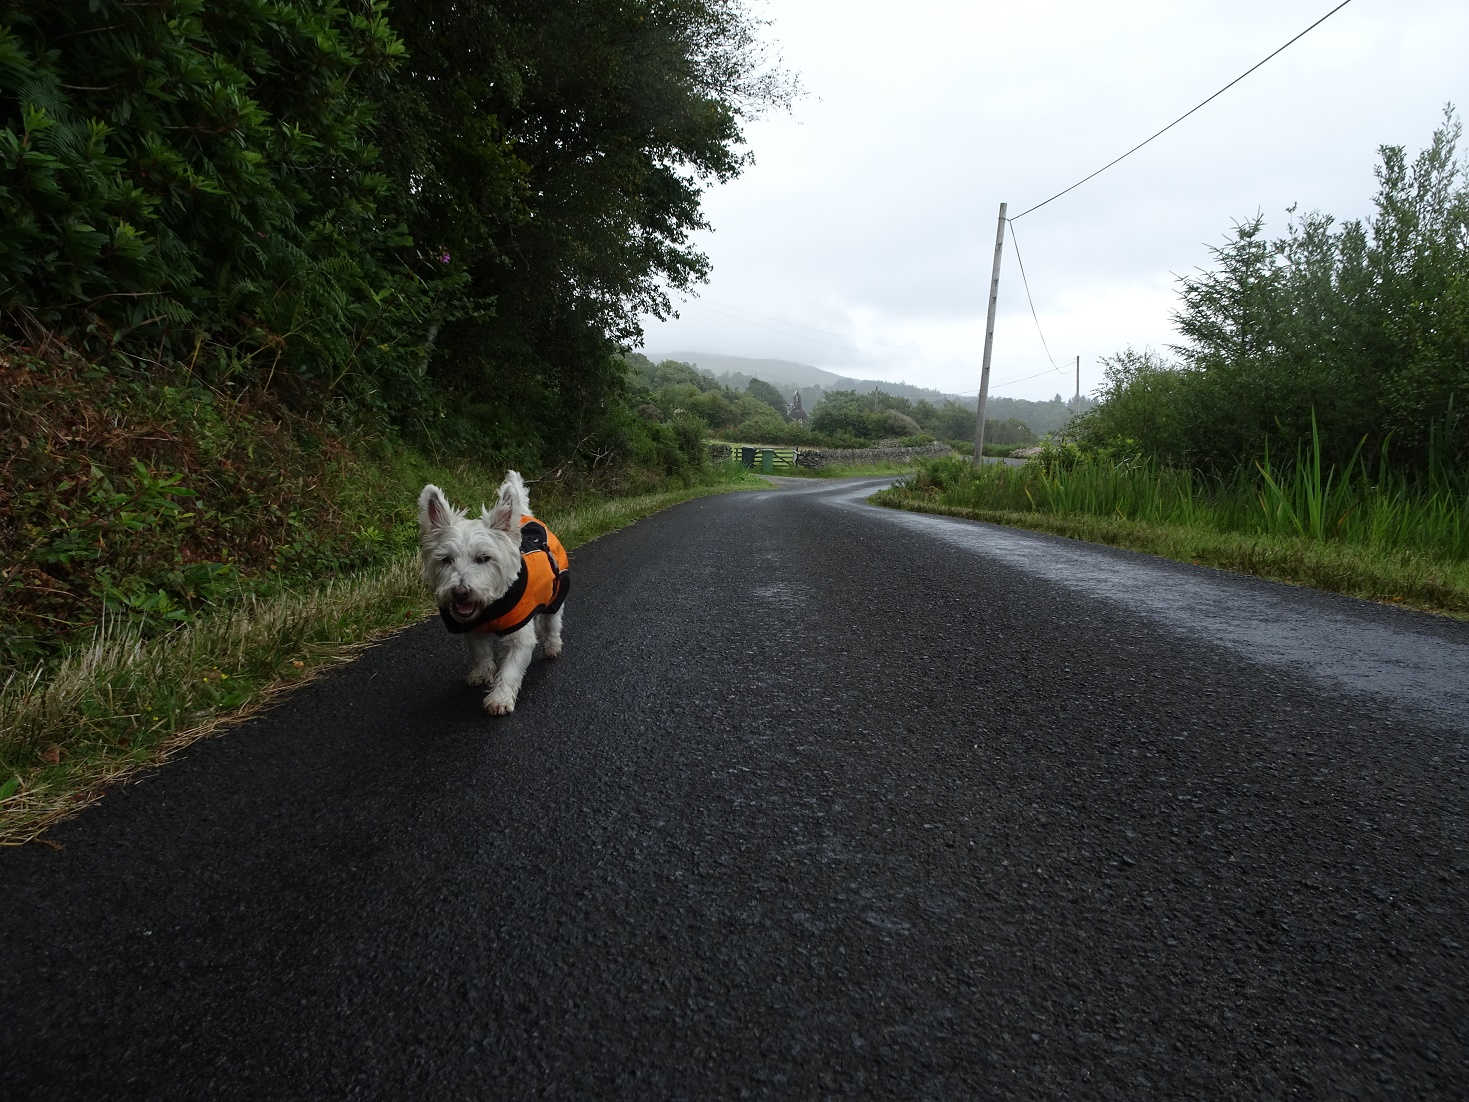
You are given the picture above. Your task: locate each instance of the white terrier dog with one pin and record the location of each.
(501, 579)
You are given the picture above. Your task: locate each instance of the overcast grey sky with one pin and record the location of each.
(861, 239)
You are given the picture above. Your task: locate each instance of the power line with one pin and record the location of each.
(808, 330)
(1023, 279)
(1186, 114)
(1015, 240)
(1023, 379)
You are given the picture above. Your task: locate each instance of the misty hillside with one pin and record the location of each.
(787, 375)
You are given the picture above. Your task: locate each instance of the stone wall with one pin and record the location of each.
(816, 458)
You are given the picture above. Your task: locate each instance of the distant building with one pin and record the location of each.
(797, 413)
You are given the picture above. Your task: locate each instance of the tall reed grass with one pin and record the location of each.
(1385, 511)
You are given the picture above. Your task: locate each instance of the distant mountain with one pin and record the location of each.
(781, 373)
(787, 375)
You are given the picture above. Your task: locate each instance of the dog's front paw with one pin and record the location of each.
(499, 704)
(481, 675)
(552, 648)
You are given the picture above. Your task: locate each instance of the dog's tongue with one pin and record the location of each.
(464, 609)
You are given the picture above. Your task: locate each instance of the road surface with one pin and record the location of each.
(823, 799)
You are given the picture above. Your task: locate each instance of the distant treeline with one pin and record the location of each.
(671, 392)
(1039, 417)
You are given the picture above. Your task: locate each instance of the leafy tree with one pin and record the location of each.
(863, 418)
(844, 412)
(1420, 258)
(451, 213)
(595, 124)
(762, 391)
(765, 427)
(951, 421)
(1145, 401)
(1008, 431)
(717, 408)
(1360, 329)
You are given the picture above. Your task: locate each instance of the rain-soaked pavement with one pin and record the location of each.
(1407, 660)
(822, 800)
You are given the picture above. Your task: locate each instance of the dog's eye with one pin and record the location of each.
(447, 560)
(481, 559)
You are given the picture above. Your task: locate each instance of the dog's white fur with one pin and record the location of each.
(469, 564)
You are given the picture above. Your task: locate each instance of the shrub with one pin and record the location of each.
(176, 176)
(1360, 329)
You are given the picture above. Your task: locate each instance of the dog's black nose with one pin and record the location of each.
(461, 592)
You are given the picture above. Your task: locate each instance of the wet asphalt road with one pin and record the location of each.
(822, 800)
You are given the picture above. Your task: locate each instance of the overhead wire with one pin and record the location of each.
(1186, 114)
(1117, 160)
(1024, 279)
(1024, 378)
(812, 330)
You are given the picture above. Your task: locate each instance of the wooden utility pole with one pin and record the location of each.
(989, 340)
(1078, 384)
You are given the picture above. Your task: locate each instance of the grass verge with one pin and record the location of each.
(1402, 578)
(126, 703)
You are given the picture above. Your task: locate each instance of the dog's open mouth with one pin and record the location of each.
(464, 610)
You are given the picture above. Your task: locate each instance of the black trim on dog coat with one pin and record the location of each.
(552, 576)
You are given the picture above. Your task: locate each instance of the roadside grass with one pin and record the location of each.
(1377, 539)
(127, 702)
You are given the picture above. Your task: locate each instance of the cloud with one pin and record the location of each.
(862, 236)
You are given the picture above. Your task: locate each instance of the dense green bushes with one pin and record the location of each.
(858, 419)
(181, 178)
(443, 216)
(262, 257)
(1361, 329)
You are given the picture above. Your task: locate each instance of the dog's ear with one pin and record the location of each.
(433, 509)
(506, 514)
